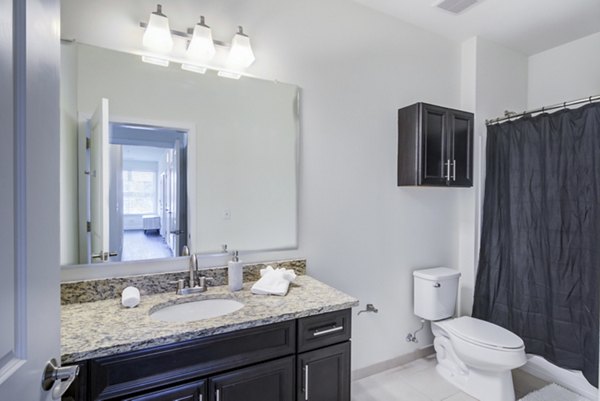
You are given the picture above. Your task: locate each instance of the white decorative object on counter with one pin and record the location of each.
(235, 273)
(273, 281)
(130, 297)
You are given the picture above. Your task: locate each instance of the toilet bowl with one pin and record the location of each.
(474, 355)
(477, 357)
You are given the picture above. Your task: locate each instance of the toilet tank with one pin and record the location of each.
(435, 290)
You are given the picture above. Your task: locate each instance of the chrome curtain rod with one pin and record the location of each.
(508, 115)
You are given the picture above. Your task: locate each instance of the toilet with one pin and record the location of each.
(474, 355)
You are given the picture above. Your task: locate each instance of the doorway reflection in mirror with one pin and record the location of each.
(146, 208)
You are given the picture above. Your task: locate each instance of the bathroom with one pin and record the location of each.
(356, 63)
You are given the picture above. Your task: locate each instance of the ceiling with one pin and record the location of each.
(527, 26)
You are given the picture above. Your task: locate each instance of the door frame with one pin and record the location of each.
(32, 255)
(190, 127)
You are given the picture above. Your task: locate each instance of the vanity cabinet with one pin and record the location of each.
(435, 146)
(195, 391)
(267, 363)
(322, 374)
(323, 368)
(271, 381)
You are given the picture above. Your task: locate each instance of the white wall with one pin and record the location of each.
(494, 79)
(356, 67)
(69, 249)
(566, 72)
(360, 232)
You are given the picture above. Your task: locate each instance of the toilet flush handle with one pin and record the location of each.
(437, 285)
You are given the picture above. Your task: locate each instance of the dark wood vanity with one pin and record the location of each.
(305, 359)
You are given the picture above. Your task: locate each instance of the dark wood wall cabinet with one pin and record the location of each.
(306, 359)
(435, 146)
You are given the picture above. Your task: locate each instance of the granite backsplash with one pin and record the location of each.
(110, 288)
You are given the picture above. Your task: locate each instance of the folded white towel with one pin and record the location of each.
(273, 281)
(130, 297)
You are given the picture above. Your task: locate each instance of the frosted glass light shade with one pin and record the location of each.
(193, 68)
(201, 46)
(229, 74)
(157, 36)
(155, 60)
(241, 54)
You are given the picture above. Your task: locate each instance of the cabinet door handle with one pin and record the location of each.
(448, 172)
(305, 383)
(317, 333)
(454, 170)
(218, 395)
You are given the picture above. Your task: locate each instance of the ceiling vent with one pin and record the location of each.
(454, 6)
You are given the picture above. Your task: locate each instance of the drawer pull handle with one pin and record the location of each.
(306, 382)
(323, 332)
(454, 170)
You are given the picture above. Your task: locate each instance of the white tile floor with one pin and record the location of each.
(419, 381)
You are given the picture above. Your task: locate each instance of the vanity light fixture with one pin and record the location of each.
(201, 46)
(241, 54)
(157, 36)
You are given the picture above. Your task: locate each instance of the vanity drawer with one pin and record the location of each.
(130, 372)
(326, 329)
(195, 391)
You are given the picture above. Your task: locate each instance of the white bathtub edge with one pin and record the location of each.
(570, 379)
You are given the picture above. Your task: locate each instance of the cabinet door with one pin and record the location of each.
(324, 374)
(434, 170)
(271, 381)
(461, 148)
(195, 391)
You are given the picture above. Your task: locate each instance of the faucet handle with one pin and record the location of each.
(202, 281)
(180, 284)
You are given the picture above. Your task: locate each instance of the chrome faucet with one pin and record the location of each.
(193, 270)
(197, 283)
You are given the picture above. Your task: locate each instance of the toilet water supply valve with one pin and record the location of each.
(412, 337)
(370, 308)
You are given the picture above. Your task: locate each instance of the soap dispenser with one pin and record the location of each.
(234, 272)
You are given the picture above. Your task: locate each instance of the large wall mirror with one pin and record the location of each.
(154, 158)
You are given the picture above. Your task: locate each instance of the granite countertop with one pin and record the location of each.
(102, 328)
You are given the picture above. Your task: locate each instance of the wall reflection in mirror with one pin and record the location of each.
(154, 158)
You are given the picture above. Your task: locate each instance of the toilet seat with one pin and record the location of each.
(482, 334)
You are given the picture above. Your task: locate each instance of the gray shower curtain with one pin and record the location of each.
(539, 263)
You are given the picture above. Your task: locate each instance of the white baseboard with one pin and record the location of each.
(379, 367)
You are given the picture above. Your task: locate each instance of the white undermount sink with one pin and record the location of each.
(196, 310)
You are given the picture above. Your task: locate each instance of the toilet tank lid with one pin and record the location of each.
(437, 274)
